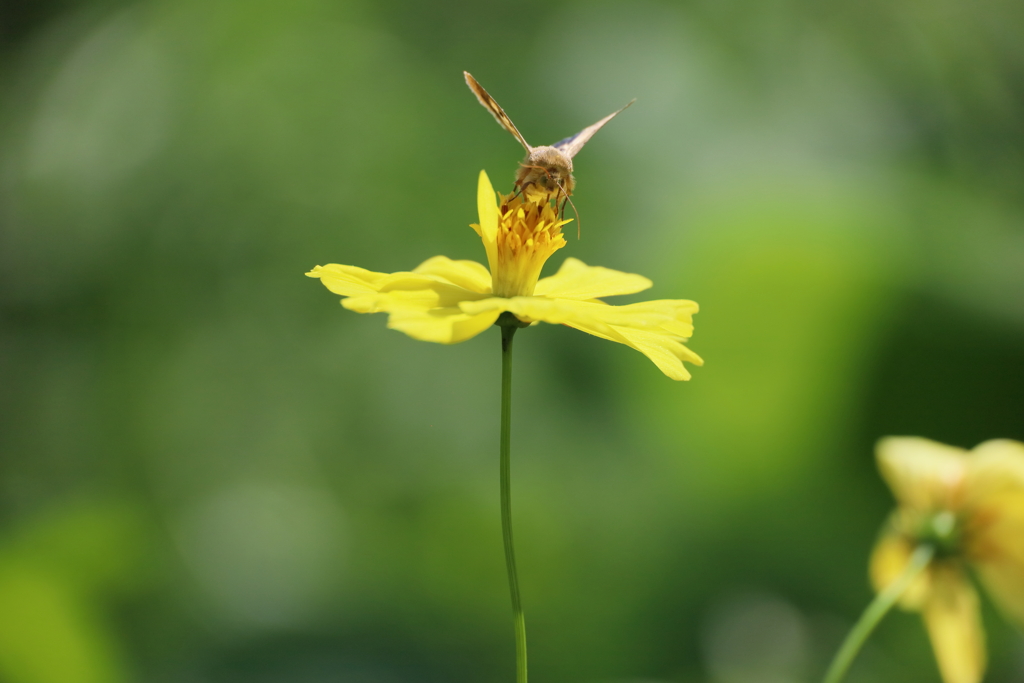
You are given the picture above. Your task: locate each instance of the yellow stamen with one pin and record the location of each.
(528, 234)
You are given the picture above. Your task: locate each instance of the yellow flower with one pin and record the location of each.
(448, 301)
(969, 506)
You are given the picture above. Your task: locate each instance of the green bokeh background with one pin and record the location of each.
(211, 473)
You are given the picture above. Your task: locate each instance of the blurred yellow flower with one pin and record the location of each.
(448, 301)
(969, 506)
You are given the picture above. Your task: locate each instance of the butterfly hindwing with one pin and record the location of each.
(574, 143)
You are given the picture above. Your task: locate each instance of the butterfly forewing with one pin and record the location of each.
(499, 114)
(573, 144)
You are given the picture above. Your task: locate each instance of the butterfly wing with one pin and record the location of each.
(574, 143)
(496, 111)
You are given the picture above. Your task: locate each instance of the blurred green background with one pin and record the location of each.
(211, 473)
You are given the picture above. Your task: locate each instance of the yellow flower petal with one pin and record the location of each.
(467, 274)
(401, 291)
(664, 350)
(998, 556)
(347, 280)
(994, 535)
(668, 316)
(1003, 576)
(889, 560)
(577, 280)
(924, 475)
(647, 327)
(996, 466)
(677, 314)
(487, 211)
(528, 308)
(953, 619)
(441, 325)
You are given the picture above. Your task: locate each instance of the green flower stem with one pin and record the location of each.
(507, 332)
(878, 608)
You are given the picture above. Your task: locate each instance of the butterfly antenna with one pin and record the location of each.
(574, 209)
(567, 199)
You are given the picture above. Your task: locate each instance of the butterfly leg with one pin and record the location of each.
(521, 189)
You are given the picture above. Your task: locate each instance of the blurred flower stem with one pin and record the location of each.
(878, 608)
(509, 324)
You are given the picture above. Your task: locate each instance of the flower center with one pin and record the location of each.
(528, 234)
(942, 530)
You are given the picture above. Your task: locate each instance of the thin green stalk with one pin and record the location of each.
(507, 332)
(878, 608)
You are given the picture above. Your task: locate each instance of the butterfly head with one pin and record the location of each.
(546, 171)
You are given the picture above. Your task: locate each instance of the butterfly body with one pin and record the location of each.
(547, 170)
